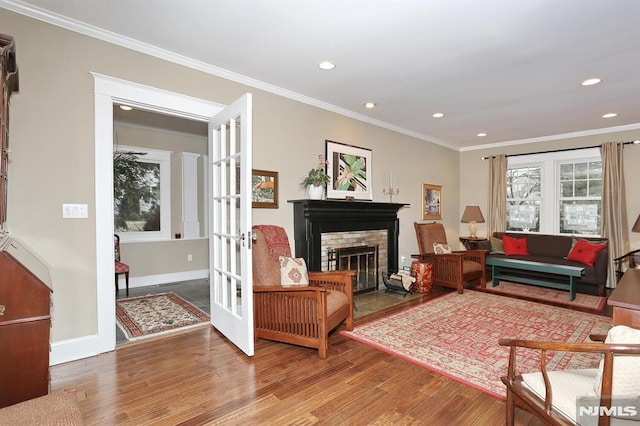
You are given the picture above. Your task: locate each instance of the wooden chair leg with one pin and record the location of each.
(126, 279)
(324, 347)
(117, 283)
(510, 409)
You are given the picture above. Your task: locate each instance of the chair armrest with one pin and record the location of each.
(479, 256)
(334, 280)
(279, 288)
(425, 257)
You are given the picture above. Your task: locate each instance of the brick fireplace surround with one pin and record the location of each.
(313, 218)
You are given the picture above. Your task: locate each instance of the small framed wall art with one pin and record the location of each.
(431, 201)
(349, 171)
(264, 189)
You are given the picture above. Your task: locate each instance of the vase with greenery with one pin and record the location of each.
(316, 180)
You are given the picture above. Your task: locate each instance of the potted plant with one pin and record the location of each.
(316, 180)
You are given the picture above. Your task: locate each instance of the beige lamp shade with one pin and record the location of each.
(473, 215)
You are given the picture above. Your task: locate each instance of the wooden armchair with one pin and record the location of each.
(449, 269)
(301, 315)
(553, 395)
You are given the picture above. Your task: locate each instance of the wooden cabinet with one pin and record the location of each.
(25, 322)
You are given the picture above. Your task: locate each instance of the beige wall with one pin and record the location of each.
(474, 182)
(52, 160)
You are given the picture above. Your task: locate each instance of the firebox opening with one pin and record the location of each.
(362, 259)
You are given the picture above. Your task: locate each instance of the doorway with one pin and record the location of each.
(171, 220)
(110, 91)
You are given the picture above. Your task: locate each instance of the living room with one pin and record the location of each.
(53, 163)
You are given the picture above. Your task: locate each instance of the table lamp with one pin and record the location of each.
(473, 215)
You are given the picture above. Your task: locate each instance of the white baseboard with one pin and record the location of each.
(73, 349)
(164, 278)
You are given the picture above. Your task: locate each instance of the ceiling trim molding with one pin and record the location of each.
(583, 133)
(132, 44)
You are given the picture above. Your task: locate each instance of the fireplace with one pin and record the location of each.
(357, 222)
(362, 259)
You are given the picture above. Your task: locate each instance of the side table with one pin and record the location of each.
(625, 300)
(471, 243)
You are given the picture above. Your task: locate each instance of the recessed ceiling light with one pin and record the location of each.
(481, 135)
(370, 105)
(609, 115)
(438, 115)
(591, 81)
(125, 107)
(326, 65)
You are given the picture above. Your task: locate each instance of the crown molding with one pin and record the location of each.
(583, 133)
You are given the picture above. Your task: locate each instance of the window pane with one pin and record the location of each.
(580, 217)
(580, 188)
(581, 170)
(566, 189)
(595, 170)
(566, 172)
(137, 202)
(523, 216)
(595, 188)
(524, 182)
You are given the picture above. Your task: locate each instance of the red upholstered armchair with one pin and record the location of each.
(300, 315)
(449, 269)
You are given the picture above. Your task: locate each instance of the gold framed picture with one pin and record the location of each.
(431, 201)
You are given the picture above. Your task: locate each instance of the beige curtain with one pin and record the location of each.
(497, 202)
(614, 205)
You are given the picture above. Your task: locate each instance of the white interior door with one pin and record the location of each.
(230, 269)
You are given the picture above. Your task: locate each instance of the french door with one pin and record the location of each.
(230, 272)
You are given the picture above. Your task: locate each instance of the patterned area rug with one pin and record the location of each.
(150, 316)
(552, 295)
(457, 336)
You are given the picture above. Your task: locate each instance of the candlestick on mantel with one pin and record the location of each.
(390, 191)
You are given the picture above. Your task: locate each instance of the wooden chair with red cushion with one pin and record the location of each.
(121, 268)
(449, 269)
(299, 315)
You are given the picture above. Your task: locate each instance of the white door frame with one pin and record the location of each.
(107, 92)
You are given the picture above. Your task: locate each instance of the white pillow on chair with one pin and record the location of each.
(293, 272)
(441, 248)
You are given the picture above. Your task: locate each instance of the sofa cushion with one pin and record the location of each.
(515, 245)
(567, 387)
(497, 246)
(585, 252)
(335, 300)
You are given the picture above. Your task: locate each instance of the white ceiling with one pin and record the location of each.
(509, 68)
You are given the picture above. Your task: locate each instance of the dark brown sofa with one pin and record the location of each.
(554, 249)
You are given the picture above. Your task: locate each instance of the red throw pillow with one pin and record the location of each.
(585, 252)
(515, 245)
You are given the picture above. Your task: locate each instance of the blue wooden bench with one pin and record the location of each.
(500, 271)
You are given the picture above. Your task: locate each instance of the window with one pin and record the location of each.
(141, 191)
(524, 196)
(555, 193)
(580, 192)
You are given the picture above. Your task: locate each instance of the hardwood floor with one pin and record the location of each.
(198, 378)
